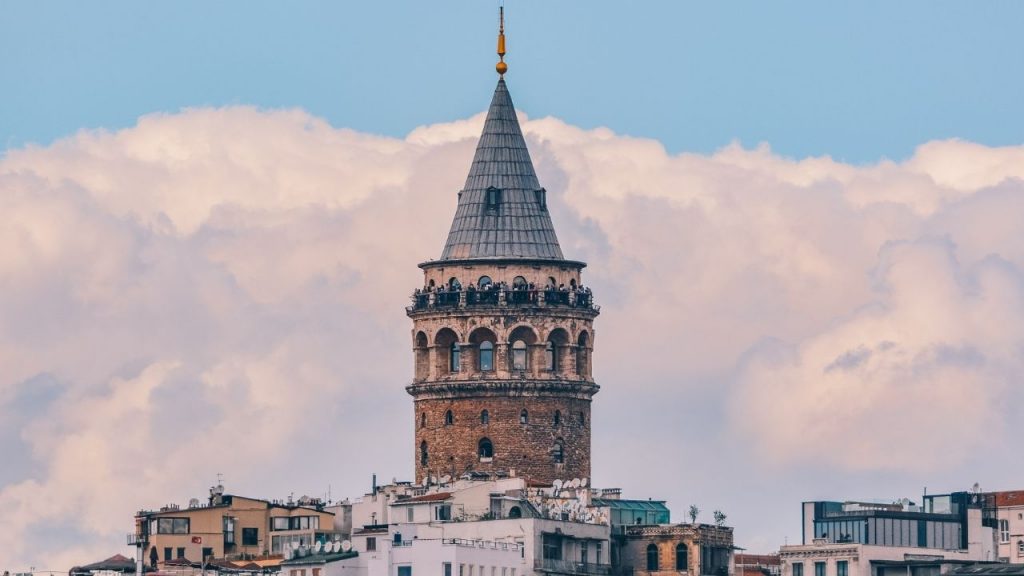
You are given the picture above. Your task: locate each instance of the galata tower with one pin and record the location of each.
(503, 327)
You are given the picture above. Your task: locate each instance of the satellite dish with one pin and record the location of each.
(318, 546)
(583, 482)
(446, 479)
(346, 546)
(574, 483)
(303, 551)
(557, 484)
(287, 553)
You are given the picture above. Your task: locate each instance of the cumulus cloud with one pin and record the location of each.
(221, 290)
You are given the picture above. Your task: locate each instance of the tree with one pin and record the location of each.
(719, 518)
(694, 512)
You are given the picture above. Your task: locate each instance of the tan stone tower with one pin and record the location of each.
(502, 331)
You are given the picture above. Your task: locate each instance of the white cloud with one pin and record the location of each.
(221, 290)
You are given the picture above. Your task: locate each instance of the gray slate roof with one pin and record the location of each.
(520, 227)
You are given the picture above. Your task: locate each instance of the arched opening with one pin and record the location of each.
(424, 457)
(454, 284)
(652, 558)
(555, 349)
(484, 281)
(447, 351)
(485, 449)
(519, 282)
(449, 418)
(485, 341)
(558, 452)
(422, 356)
(572, 283)
(524, 417)
(519, 355)
(423, 419)
(485, 417)
(582, 355)
(682, 557)
(515, 512)
(557, 421)
(431, 284)
(583, 418)
(552, 283)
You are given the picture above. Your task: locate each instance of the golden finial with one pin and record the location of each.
(501, 67)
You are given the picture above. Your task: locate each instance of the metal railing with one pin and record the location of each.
(463, 298)
(571, 567)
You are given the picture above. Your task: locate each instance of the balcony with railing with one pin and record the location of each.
(581, 298)
(552, 566)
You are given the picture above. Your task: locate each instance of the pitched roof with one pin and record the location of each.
(519, 226)
(1009, 498)
(434, 497)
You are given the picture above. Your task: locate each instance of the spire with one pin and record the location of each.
(501, 67)
(502, 211)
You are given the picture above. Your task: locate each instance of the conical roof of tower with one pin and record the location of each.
(514, 222)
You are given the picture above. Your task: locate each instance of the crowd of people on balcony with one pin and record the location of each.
(487, 292)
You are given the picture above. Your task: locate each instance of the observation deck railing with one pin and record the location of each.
(463, 298)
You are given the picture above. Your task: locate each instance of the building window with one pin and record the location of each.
(449, 418)
(405, 570)
(485, 449)
(484, 281)
(597, 552)
(558, 419)
(524, 417)
(423, 420)
(443, 512)
(454, 284)
(1020, 548)
(207, 553)
(819, 569)
(798, 569)
(410, 513)
(519, 355)
(682, 557)
(1004, 531)
(549, 357)
(842, 568)
(167, 554)
(316, 572)
(424, 457)
(558, 452)
(454, 354)
(583, 552)
(371, 543)
(486, 356)
(180, 554)
(541, 196)
(652, 558)
(446, 569)
(552, 547)
(493, 199)
(250, 537)
(172, 526)
(485, 417)
(583, 418)
(515, 512)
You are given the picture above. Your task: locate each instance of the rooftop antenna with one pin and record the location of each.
(501, 67)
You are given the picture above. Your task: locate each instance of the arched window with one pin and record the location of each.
(515, 512)
(485, 417)
(558, 419)
(572, 283)
(519, 282)
(423, 420)
(519, 355)
(486, 356)
(424, 458)
(454, 357)
(558, 452)
(485, 449)
(652, 558)
(582, 367)
(682, 557)
(549, 356)
(454, 284)
(583, 418)
(524, 417)
(484, 281)
(449, 419)
(431, 283)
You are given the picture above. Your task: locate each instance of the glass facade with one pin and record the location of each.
(883, 531)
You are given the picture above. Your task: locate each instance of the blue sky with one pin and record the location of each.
(856, 80)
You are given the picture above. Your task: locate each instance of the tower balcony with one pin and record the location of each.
(502, 297)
